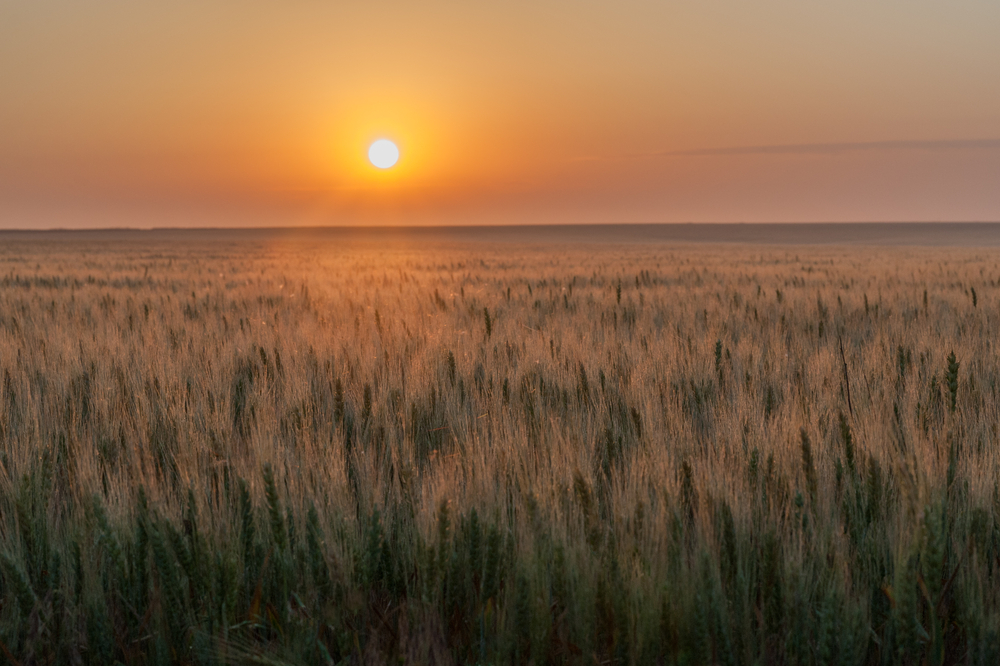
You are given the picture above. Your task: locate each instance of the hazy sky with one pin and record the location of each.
(260, 112)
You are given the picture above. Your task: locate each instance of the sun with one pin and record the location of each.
(383, 154)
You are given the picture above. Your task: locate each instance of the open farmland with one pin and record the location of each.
(411, 452)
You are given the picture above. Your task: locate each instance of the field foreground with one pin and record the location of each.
(281, 452)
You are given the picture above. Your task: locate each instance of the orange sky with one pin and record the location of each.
(260, 112)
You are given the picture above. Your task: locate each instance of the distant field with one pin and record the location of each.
(317, 448)
(891, 234)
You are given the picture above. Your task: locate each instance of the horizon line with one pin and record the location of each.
(414, 227)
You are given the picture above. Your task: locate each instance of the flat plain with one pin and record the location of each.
(226, 447)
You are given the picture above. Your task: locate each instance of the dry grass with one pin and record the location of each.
(318, 453)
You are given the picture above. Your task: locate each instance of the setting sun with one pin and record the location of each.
(383, 154)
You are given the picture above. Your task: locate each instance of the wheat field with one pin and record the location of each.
(355, 452)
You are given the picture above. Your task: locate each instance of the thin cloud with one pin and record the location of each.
(835, 148)
(812, 149)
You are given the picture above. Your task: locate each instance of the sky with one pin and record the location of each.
(255, 112)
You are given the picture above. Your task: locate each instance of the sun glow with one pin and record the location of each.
(427, 152)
